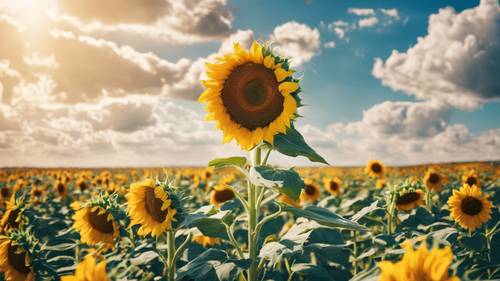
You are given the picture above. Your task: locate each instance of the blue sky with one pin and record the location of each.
(117, 85)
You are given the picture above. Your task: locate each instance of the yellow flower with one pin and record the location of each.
(381, 183)
(12, 218)
(89, 270)
(419, 265)
(469, 207)
(410, 200)
(15, 262)
(375, 168)
(332, 185)
(433, 180)
(96, 225)
(310, 193)
(206, 241)
(290, 201)
(471, 178)
(250, 96)
(61, 188)
(221, 194)
(149, 206)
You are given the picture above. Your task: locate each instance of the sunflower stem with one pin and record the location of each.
(171, 255)
(252, 220)
(428, 199)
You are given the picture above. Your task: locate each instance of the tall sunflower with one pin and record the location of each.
(434, 180)
(89, 270)
(251, 95)
(15, 262)
(471, 178)
(332, 185)
(221, 194)
(469, 207)
(310, 193)
(96, 225)
(419, 265)
(375, 168)
(151, 206)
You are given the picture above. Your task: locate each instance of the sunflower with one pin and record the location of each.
(434, 181)
(381, 183)
(150, 206)
(15, 262)
(288, 200)
(221, 194)
(61, 188)
(375, 168)
(469, 207)
(37, 194)
(251, 95)
(12, 218)
(96, 225)
(409, 200)
(89, 270)
(81, 184)
(471, 178)
(332, 185)
(419, 265)
(310, 193)
(206, 241)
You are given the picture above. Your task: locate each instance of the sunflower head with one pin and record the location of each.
(310, 193)
(471, 178)
(419, 265)
(375, 168)
(288, 200)
(97, 220)
(221, 194)
(409, 195)
(155, 206)
(469, 207)
(18, 260)
(332, 185)
(61, 188)
(13, 217)
(251, 95)
(434, 180)
(89, 269)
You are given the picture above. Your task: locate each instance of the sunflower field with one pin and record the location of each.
(241, 218)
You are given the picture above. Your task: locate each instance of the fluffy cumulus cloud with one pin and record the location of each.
(455, 63)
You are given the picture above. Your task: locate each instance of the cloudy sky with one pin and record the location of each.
(115, 82)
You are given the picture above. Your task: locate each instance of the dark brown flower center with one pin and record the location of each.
(407, 198)
(434, 178)
(471, 206)
(310, 189)
(5, 192)
(82, 185)
(376, 168)
(471, 181)
(334, 186)
(37, 193)
(17, 260)
(100, 222)
(61, 188)
(153, 206)
(224, 195)
(251, 96)
(11, 220)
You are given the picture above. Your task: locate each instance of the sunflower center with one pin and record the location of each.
(60, 188)
(17, 260)
(100, 222)
(471, 206)
(82, 186)
(406, 198)
(37, 193)
(153, 206)
(434, 178)
(471, 181)
(334, 186)
(223, 195)
(5, 192)
(251, 96)
(310, 190)
(376, 168)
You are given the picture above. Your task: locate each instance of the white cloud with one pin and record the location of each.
(391, 12)
(329, 45)
(454, 63)
(367, 22)
(297, 41)
(361, 11)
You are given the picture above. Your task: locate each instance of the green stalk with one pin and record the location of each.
(252, 221)
(428, 199)
(391, 213)
(171, 255)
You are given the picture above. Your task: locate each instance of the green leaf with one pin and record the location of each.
(292, 143)
(365, 211)
(477, 242)
(323, 216)
(209, 221)
(311, 271)
(226, 162)
(286, 181)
